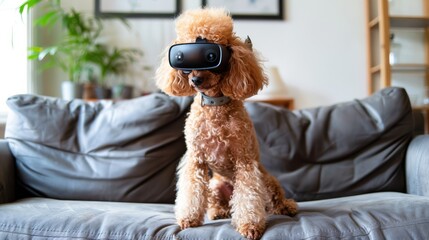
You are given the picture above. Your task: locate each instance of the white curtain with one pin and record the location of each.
(13, 53)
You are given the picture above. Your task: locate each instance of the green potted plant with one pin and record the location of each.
(70, 53)
(77, 52)
(114, 61)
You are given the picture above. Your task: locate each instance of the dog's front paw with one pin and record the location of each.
(188, 223)
(251, 231)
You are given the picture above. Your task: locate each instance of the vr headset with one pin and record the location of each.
(199, 56)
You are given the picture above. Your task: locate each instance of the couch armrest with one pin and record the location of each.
(417, 166)
(7, 173)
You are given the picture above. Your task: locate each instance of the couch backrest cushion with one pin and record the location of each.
(345, 149)
(114, 151)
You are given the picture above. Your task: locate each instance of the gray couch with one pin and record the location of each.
(103, 170)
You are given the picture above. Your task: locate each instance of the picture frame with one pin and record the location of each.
(135, 8)
(250, 9)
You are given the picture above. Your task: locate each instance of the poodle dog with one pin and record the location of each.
(220, 174)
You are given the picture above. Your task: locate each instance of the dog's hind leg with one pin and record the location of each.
(220, 195)
(279, 204)
(192, 192)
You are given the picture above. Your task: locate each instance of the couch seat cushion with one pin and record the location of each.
(386, 215)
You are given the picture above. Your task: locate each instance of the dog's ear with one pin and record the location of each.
(245, 76)
(171, 81)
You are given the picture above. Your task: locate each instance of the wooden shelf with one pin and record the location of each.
(281, 102)
(410, 67)
(409, 22)
(421, 108)
(379, 29)
(403, 22)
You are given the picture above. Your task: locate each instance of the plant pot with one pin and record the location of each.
(89, 91)
(94, 91)
(71, 90)
(122, 91)
(103, 92)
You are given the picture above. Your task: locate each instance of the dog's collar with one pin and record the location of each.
(214, 101)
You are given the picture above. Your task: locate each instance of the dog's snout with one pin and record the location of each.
(197, 80)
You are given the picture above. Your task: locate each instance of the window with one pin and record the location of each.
(13, 53)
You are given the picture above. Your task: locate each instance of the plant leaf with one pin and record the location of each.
(48, 18)
(29, 4)
(47, 51)
(33, 53)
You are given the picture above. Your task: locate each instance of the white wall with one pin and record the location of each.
(319, 49)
